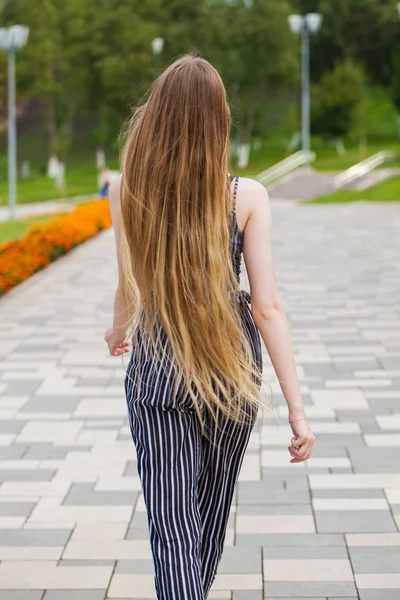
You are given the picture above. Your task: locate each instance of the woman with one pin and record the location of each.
(193, 380)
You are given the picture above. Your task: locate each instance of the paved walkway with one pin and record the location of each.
(72, 520)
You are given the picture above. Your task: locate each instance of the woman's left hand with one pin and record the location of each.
(116, 346)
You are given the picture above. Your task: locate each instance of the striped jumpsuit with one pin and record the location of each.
(187, 479)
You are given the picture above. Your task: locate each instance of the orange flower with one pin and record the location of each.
(19, 259)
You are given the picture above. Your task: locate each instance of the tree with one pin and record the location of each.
(87, 55)
(121, 56)
(253, 47)
(339, 101)
(366, 32)
(55, 63)
(183, 26)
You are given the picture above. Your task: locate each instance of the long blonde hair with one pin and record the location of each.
(176, 208)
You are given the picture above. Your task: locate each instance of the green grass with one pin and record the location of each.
(387, 191)
(327, 158)
(12, 230)
(259, 161)
(80, 180)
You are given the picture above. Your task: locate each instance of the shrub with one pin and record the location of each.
(21, 258)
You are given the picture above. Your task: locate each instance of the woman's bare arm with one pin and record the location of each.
(116, 335)
(267, 308)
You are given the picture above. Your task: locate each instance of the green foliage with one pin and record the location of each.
(382, 115)
(256, 54)
(366, 32)
(339, 101)
(89, 61)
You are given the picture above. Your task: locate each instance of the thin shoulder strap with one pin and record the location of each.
(235, 189)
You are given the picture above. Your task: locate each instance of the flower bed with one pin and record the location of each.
(21, 258)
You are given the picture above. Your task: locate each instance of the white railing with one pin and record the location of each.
(361, 168)
(286, 166)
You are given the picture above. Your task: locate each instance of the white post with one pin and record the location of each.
(305, 86)
(12, 136)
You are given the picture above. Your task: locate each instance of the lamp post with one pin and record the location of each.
(158, 45)
(304, 26)
(12, 39)
(398, 8)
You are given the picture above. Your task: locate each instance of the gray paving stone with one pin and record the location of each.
(90, 382)
(82, 494)
(131, 468)
(12, 452)
(34, 537)
(305, 552)
(47, 451)
(364, 468)
(275, 509)
(363, 521)
(32, 348)
(391, 404)
(124, 437)
(16, 509)
(85, 563)
(274, 497)
(26, 474)
(378, 457)
(287, 471)
(21, 595)
(52, 404)
(386, 594)
(247, 595)
(139, 527)
(134, 567)
(375, 560)
(366, 423)
(241, 560)
(349, 493)
(75, 595)
(21, 388)
(327, 450)
(296, 482)
(341, 470)
(390, 363)
(99, 427)
(291, 539)
(300, 589)
(332, 439)
(11, 425)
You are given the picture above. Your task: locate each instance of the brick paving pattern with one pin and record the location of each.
(72, 519)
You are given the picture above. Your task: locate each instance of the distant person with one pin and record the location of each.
(104, 182)
(192, 385)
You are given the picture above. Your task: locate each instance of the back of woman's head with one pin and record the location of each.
(176, 215)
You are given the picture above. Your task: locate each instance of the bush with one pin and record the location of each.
(19, 259)
(339, 101)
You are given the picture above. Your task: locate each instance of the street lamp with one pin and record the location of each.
(158, 45)
(12, 39)
(304, 26)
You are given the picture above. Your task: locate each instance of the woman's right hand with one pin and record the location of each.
(303, 441)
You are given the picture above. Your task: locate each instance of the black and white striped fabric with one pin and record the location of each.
(187, 479)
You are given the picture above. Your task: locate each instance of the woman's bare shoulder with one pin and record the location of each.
(252, 195)
(250, 188)
(115, 189)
